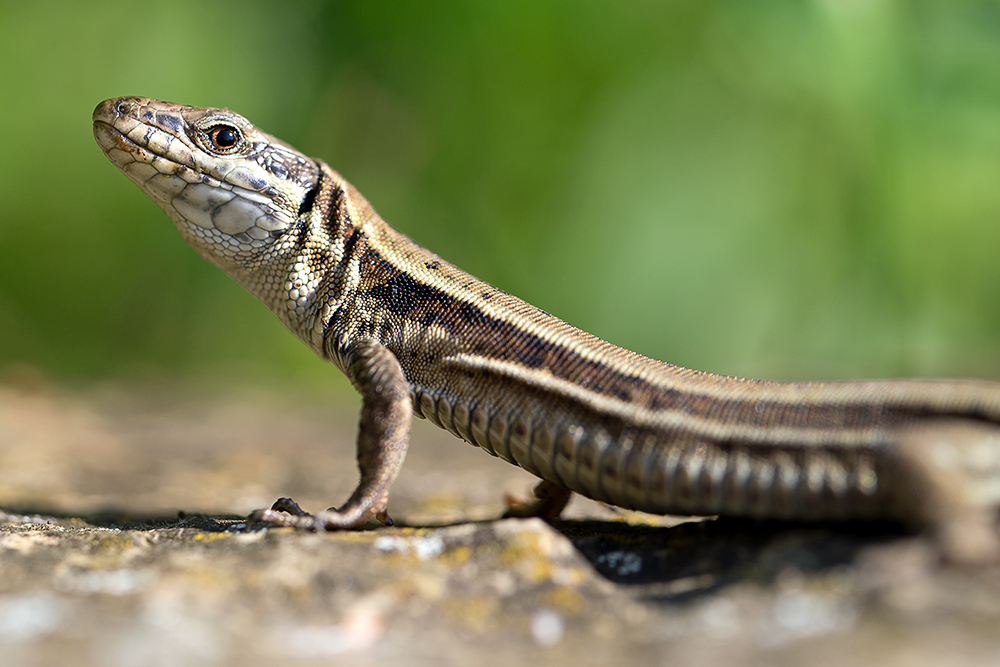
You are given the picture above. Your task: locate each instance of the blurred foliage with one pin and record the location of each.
(783, 188)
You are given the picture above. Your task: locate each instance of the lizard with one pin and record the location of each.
(418, 337)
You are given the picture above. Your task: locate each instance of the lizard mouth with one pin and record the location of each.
(186, 193)
(204, 194)
(128, 134)
(118, 147)
(141, 164)
(138, 156)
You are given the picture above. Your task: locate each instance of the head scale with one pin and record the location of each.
(231, 189)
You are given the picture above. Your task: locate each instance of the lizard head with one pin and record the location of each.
(230, 189)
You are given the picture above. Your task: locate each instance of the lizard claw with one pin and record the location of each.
(285, 513)
(290, 506)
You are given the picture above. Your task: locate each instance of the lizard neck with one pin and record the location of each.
(309, 276)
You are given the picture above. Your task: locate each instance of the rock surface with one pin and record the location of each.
(121, 544)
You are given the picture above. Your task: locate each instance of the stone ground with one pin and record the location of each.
(121, 544)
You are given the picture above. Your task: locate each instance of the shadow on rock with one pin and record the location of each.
(699, 557)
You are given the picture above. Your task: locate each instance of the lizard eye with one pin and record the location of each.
(224, 138)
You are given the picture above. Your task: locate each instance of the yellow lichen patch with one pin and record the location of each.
(512, 556)
(565, 599)
(204, 576)
(477, 614)
(209, 537)
(421, 584)
(457, 556)
(108, 550)
(115, 543)
(525, 557)
(570, 576)
(415, 532)
(541, 570)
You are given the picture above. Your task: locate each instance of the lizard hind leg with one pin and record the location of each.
(383, 437)
(948, 479)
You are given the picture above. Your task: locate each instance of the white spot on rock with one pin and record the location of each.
(547, 627)
(107, 582)
(428, 547)
(423, 548)
(25, 617)
(363, 624)
(720, 618)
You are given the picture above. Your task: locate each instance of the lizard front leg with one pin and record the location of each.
(383, 436)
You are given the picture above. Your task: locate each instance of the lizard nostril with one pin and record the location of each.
(122, 107)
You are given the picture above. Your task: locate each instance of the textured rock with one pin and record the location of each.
(134, 583)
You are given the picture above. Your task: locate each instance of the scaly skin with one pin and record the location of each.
(416, 335)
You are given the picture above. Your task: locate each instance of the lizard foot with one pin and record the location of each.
(550, 500)
(286, 513)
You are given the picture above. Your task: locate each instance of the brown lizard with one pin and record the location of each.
(417, 336)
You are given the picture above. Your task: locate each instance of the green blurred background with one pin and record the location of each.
(786, 189)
